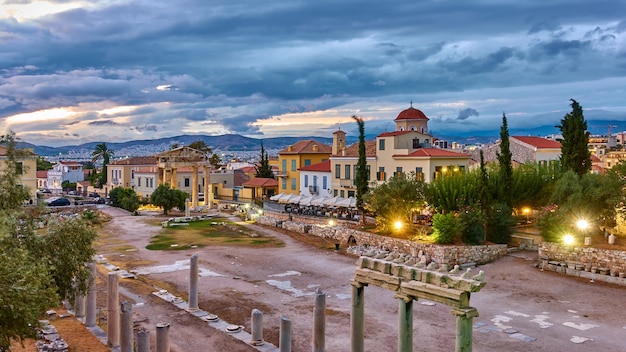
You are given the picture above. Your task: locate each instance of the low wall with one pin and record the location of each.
(441, 254)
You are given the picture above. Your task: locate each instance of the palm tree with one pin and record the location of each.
(101, 151)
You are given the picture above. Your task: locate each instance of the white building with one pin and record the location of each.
(315, 179)
(64, 171)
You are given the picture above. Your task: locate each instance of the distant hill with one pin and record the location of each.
(228, 142)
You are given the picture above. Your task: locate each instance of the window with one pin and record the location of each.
(306, 180)
(419, 174)
(19, 168)
(398, 171)
(307, 162)
(341, 193)
(293, 165)
(381, 144)
(132, 174)
(334, 193)
(324, 182)
(138, 181)
(381, 174)
(187, 182)
(351, 194)
(337, 171)
(293, 184)
(367, 167)
(284, 166)
(347, 167)
(284, 183)
(416, 143)
(354, 169)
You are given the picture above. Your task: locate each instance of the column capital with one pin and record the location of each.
(469, 312)
(406, 298)
(357, 284)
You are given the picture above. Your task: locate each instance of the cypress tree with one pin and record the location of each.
(361, 178)
(506, 167)
(575, 154)
(264, 169)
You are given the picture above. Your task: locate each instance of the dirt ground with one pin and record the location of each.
(521, 308)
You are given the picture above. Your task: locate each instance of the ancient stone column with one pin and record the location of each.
(207, 188)
(187, 207)
(90, 317)
(285, 334)
(143, 341)
(405, 324)
(79, 306)
(464, 318)
(319, 322)
(113, 311)
(194, 189)
(357, 327)
(193, 283)
(126, 328)
(162, 337)
(173, 180)
(257, 327)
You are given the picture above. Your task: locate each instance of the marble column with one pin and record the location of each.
(405, 323)
(126, 328)
(464, 317)
(257, 328)
(90, 316)
(207, 187)
(285, 334)
(173, 179)
(194, 188)
(193, 283)
(113, 311)
(357, 326)
(162, 337)
(143, 341)
(79, 306)
(319, 322)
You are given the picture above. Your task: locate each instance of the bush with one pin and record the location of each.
(552, 224)
(446, 228)
(500, 223)
(472, 221)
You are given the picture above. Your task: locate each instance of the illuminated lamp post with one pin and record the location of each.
(583, 225)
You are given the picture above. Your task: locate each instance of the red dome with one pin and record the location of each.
(411, 114)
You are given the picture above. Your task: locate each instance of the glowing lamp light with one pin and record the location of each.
(582, 224)
(397, 225)
(331, 223)
(260, 211)
(568, 239)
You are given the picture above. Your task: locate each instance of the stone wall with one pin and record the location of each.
(586, 258)
(441, 254)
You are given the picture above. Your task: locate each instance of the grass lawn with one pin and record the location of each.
(210, 233)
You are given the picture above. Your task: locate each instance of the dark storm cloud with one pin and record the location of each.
(103, 123)
(239, 63)
(467, 113)
(149, 128)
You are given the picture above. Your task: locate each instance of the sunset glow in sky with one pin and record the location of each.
(81, 71)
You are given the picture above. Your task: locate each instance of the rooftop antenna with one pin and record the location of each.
(411, 102)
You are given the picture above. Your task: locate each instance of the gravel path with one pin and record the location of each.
(521, 308)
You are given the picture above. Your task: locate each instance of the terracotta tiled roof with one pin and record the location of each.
(307, 147)
(42, 174)
(411, 114)
(239, 178)
(394, 133)
(138, 160)
(248, 169)
(353, 150)
(538, 142)
(595, 159)
(324, 166)
(434, 153)
(261, 182)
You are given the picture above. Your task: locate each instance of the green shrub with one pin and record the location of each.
(472, 221)
(500, 223)
(446, 228)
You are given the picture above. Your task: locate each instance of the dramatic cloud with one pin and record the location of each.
(75, 71)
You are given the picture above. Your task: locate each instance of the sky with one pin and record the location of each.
(117, 70)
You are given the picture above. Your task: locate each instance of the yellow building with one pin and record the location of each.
(26, 168)
(343, 163)
(121, 173)
(300, 154)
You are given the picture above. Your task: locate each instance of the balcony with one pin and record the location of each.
(313, 190)
(346, 183)
(281, 173)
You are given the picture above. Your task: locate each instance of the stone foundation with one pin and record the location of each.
(441, 254)
(592, 263)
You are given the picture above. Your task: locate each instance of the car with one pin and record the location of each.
(94, 195)
(99, 200)
(59, 202)
(72, 193)
(45, 191)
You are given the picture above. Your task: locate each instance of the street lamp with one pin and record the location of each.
(568, 239)
(583, 225)
(397, 225)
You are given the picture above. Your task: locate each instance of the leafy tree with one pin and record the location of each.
(168, 198)
(125, 198)
(448, 192)
(43, 164)
(37, 270)
(472, 222)
(499, 223)
(505, 164)
(395, 199)
(201, 146)
(446, 228)
(101, 151)
(12, 193)
(215, 160)
(575, 154)
(361, 177)
(264, 169)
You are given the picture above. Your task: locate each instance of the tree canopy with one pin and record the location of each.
(575, 154)
(264, 169)
(102, 152)
(168, 198)
(396, 199)
(361, 177)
